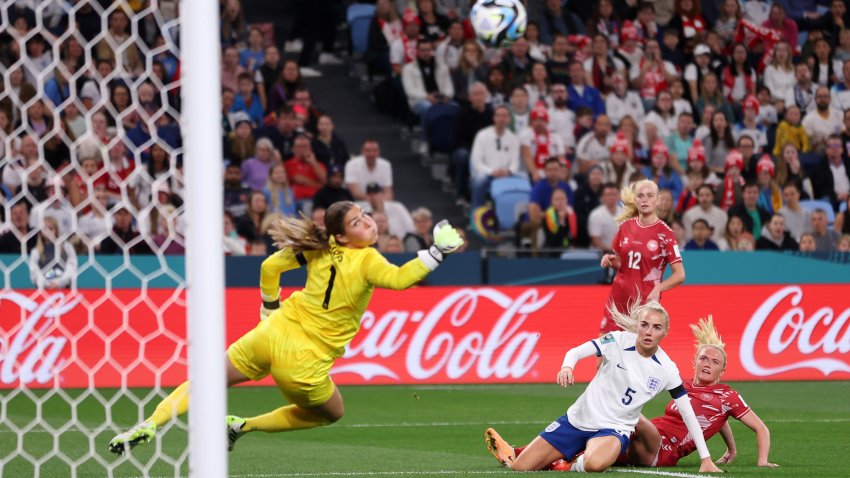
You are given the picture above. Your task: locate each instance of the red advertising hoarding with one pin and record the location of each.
(426, 334)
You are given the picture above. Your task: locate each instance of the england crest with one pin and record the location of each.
(653, 383)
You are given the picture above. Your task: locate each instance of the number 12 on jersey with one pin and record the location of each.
(634, 260)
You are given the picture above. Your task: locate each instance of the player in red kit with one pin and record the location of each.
(664, 440)
(643, 247)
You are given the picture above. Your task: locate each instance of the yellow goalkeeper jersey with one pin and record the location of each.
(340, 282)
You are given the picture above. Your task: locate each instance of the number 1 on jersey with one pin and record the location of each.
(634, 260)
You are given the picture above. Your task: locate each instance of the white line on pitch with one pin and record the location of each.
(657, 472)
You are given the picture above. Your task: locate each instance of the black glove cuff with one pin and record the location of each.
(272, 305)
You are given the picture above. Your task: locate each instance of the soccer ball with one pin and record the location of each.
(498, 23)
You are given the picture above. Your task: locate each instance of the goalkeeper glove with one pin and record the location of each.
(270, 304)
(446, 241)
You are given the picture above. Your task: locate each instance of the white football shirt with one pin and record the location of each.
(623, 385)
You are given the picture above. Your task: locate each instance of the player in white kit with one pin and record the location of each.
(634, 370)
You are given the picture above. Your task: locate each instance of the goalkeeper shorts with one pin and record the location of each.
(279, 346)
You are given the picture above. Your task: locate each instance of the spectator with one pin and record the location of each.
(470, 69)
(558, 64)
(420, 238)
(284, 87)
(842, 220)
(247, 100)
(252, 55)
(53, 262)
(391, 245)
(384, 30)
(727, 21)
(258, 247)
(705, 209)
(560, 223)
(602, 225)
(581, 94)
(562, 121)
(680, 142)
(733, 181)
(333, 191)
(329, 148)
(751, 214)
(520, 110)
(586, 200)
(257, 218)
(739, 78)
(601, 66)
(120, 49)
(267, 75)
(434, 26)
(306, 174)
(798, 220)
(774, 237)
(807, 243)
(538, 86)
(516, 64)
(779, 76)
(301, 98)
(620, 169)
(95, 224)
(368, 168)
(167, 238)
(230, 68)
(234, 244)
(805, 89)
(555, 20)
(124, 238)
(538, 145)
(15, 167)
(822, 122)
(831, 22)
(233, 27)
(622, 102)
(688, 21)
(831, 180)
(449, 51)
(18, 237)
(255, 171)
(696, 71)
(790, 131)
(749, 126)
(495, 154)
(594, 148)
(399, 221)
(665, 209)
(630, 50)
(746, 242)
(825, 238)
(279, 195)
(711, 95)
(734, 232)
(701, 237)
(770, 197)
(536, 50)
(496, 87)
(719, 143)
(404, 49)
(843, 244)
(472, 117)
(283, 133)
(660, 171)
(235, 193)
(239, 143)
(541, 194)
(426, 82)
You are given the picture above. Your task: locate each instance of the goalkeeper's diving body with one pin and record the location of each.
(301, 337)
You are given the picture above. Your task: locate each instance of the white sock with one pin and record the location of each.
(578, 465)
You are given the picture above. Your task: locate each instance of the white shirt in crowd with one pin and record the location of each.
(528, 137)
(60, 210)
(590, 149)
(563, 123)
(94, 228)
(664, 127)
(781, 83)
(491, 152)
(840, 182)
(601, 224)
(630, 105)
(715, 217)
(357, 172)
(797, 223)
(819, 128)
(399, 220)
(448, 54)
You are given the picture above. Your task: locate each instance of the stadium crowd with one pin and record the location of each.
(738, 110)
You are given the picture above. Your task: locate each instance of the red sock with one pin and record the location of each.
(518, 450)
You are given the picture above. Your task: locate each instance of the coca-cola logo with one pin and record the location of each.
(793, 335)
(30, 354)
(439, 346)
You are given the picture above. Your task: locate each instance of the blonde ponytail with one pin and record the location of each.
(707, 336)
(299, 234)
(628, 320)
(627, 197)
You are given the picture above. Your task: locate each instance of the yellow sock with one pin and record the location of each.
(174, 405)
(288, 418)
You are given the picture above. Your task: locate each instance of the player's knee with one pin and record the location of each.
(595, 465)
(335, 415)
(521, 465)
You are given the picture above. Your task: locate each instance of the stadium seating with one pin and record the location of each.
(359, 16)
(440, 125)
(509, 195)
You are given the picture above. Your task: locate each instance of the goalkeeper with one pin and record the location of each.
(304, 334)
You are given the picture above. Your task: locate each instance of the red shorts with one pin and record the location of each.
(668, 453)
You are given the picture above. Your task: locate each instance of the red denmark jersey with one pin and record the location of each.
(713, 405)
(644, 253)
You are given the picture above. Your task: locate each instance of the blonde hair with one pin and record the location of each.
(628, 320)
(275, 189)
(302, 234)
(57, 244)
(707, 336)
(627, 196)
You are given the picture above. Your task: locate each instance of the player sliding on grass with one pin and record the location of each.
(302, 337)
(634, 370)
(664, 440)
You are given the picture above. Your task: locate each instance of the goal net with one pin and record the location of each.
(93, 300)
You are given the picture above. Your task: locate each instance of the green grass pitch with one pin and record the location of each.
(415, 431)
